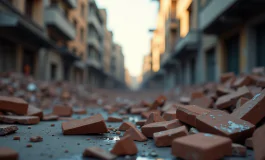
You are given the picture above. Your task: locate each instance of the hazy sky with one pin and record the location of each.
(130, 21)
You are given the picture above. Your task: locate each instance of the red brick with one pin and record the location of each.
(20, 119)
(114, 119)
(125, 146)
(253, 110)
(7, 129)
(140, 122)
(258, 143)
(126, 125)
(188, 113)
(168, 106)
(165, 138)
(249, 142)
(34, 111)
(14, 105)
(197, 94)
(221, 123)
(159, 102)
(8, 154)
(169, 115)
(226, 76)
(202, 146)
(154, 117)
(146, 114)
(95, 152)
(205, 102)
(62, 111)
(239, 150)
(221, 91)
(149, 129)
(91, 125)
(242, 81)
(135, 134)
(241, 101)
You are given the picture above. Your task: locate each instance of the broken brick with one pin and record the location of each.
(19, 119)
(62, 111)
(205, 102)
(169, 115)
(91, 125)
(8, 154)
(202, 146)
(34, 111)
(249, 142)
(125, 146)
(165, 138)
(168, 106)
(239, 150)
(241, 101)
(80, 111)
(221, 91)
(135, 134)
(14, 105)
(221, 123)
(114, 119)
(154, 117)
(126, 125)
(149, 129)
(50, 118)
(226, 76)
(253, 110)
(16, 138)
(242, 81)
(258, 143)
(7, 129)
(99, 153)
(146, 114)
(197, 94)
(36, 139)
(140, 122)
(188, 113)
(159, 102)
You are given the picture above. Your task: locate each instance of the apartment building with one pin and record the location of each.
(22, 36)
(146, 68)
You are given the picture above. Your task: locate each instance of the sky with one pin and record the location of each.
(130, 21)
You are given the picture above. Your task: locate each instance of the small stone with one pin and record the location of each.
(52, 125)
(16, 138)
(66, 151)
(36, 139)
(29, 127)
(29, 145)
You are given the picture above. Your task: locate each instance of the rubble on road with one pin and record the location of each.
(125, 146)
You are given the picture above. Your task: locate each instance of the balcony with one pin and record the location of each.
(187, 44)
(71, 3)
(218, 16)
(92, 62)
(56, 20)
(92, 19)
(93, 41)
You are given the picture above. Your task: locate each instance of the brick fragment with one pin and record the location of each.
(168, 106)
(146, 114)
(126, 125)
(154, 117)
(36, 139)
(149, 129)
(91, 125)
(239, 150)
(17, 138)
(14, 105)
(95, 152)
(80, 111)
(197, 94)
(8, 154)
(205, 102)
(226, 76)
(221, 123)
(188, 113)
(135, 134)
(253, 110)
(7, 129)
(140, 122)
(258, 143)
(62, 111)
(241, 101)
(249, 142)
(34, 111)
(159, 102)
(165, 138)
(202, 146)
(114, 119)
(169, 115)
(50, 118)
(221, 91)
(125, 146)
(19, 119)
(242, 81)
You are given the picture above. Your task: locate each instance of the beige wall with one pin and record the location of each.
(107, 50)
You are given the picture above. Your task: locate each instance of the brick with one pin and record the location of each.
(205, 102)
(253, 110)
(197, 94)
(80, 111)
(140, 122)
(146, 114)
(34, 111)
(50, 118)
(168, 106)
(114, 119)
(126, 125)
(258, 143)
(226, 76)
(8, 154)
(62, 111)
(14, 105)
(254, 89)
(20, 119)
(242, 81)
(149, 129)
(169, 115)
(229, 82)
(241, 101)
(231, 99)
(159, 102)
(188, 113)
(239, 150)
(7, 129)
(221, 90)
(258, 71)
(135, 134)
(95, 152)
(165, 138)
(154, 117)
(221, 123)
(125, 146)
(137, 110)
(259, 81)
(91, 125)
(202, 146)
(249, 142)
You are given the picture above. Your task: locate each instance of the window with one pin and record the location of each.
(82, 35)
(83, 10)
(75, 25)
(53, 71)
(29, 8)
